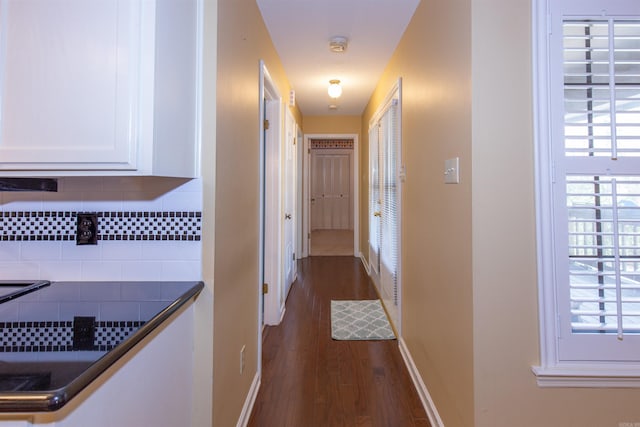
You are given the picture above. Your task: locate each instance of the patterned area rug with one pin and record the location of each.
(359, 320)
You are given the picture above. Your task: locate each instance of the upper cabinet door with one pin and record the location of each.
(70, 84)
(100, 87)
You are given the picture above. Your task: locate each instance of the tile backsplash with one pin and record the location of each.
(149, 228)
(54, 336)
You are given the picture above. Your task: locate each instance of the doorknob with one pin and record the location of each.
(377, 213)
(287, 216)
(313, 200)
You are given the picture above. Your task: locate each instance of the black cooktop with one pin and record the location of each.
(44, 362)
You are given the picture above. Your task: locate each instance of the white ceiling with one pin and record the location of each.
(301, 30)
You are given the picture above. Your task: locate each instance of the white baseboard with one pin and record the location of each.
(249, 402)
(365, 263)
(425, 397)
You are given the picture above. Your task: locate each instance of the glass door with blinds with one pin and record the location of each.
(597, 188)
(384, 202)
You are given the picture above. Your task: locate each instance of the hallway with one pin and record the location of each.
(308, 379)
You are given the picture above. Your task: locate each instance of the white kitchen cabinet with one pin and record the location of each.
(99, 87)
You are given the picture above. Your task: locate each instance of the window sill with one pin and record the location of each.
(591, 375)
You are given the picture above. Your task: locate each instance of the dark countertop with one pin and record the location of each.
(56, 340)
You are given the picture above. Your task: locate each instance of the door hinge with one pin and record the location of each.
(309, 150)
(293, 256)
(308, 235)
(265, 288)
(266, 124)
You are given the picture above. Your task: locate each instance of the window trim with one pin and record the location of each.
(551, 372)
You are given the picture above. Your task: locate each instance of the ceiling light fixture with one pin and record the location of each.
(335, 90)
(338, 44)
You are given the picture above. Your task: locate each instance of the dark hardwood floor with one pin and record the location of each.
(310, 380)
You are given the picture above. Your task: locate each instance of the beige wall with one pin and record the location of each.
(242, 41)
(504, 258)
(331, 124)
(434, 61)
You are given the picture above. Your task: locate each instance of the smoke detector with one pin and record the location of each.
(338, 44)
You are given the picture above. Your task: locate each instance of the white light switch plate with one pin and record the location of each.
(452, 171)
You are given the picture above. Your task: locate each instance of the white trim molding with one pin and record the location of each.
(243, 421)
(425, 397)
(586, 376)
(365, 263)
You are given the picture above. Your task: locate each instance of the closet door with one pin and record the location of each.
(330, 191)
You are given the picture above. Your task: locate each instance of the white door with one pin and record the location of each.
(330, 190)
(290, 217)
(271, 244)
(62, 105)
(318, 184)
(341, 192)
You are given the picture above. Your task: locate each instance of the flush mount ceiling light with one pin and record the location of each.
(338, 44)
(335, 90)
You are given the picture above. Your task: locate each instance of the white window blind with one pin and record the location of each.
(604, 253)
(602, 82)
(384, 200)
(597, 169)
(389, 161)
(374, 197)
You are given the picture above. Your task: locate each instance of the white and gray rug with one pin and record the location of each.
(359, 320)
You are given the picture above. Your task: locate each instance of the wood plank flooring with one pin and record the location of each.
(331, 242)
(310, 380)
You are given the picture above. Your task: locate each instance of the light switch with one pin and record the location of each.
(452, 171)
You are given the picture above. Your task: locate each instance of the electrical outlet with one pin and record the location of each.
(242, 359)
(84, 332)
(87, 229)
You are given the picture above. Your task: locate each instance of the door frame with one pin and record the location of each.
(270, 308)
(306, 190)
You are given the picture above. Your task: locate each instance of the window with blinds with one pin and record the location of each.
(384, 200)
(587, 107)
(389, 162)
(602, 125)
(375, 201)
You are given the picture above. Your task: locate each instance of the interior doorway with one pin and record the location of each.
(331, 197)
(270, 282)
